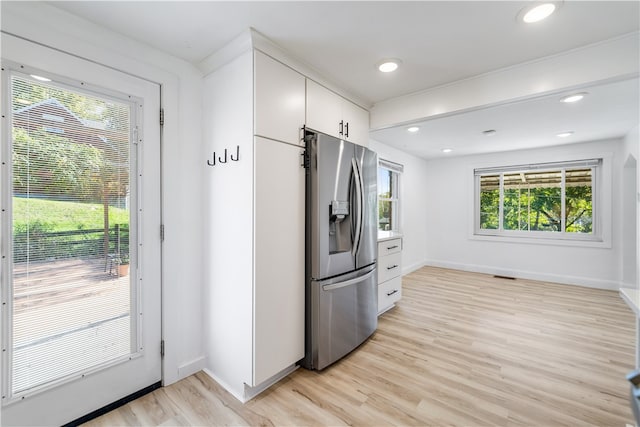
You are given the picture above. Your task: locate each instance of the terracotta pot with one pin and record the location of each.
(123, 270)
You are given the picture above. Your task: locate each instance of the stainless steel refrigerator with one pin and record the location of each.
(341, 254)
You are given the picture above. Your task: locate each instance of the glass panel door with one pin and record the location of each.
(80, 203)
(71, 208)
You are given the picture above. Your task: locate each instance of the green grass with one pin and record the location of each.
(63, 216)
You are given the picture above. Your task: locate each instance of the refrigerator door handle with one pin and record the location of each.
(348, 282)
(358, 231)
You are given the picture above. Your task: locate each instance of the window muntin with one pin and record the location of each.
(546, 200)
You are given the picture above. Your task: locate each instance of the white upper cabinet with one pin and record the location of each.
(357, 123)
(279, 100)
(330, 113)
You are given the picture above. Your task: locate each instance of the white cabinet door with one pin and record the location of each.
(329, 113)
(324, 110)
(279, 100)
(356, 123)
(279, 258)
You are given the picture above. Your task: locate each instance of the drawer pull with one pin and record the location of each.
(391, 247)
(392, 267)
(392, 292)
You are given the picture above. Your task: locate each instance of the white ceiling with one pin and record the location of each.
(439, 42)
(608, 111)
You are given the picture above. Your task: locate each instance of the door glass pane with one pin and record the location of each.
(71, 204)
(579, 201)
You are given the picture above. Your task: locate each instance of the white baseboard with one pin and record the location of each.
(191, 367)
(237, 394)
(250, 392)
(521, 274)
(413, 267)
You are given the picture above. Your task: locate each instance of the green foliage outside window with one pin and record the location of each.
(532, 201)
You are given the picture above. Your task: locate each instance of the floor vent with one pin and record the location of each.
(504, 277)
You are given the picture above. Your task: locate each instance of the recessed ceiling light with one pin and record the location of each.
(389, 65)
(538, 12)
(447, 150)
(565, 134)
(574, 97)
(413, 129)
(42, 79)
(489, 132)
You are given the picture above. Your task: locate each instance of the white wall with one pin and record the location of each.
(182, 163)
(631, 209)
(450, 227)
(413, 204)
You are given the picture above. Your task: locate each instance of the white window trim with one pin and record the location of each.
(398, 169)
(602, 202)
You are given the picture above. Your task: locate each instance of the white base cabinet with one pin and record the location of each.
(389, 273)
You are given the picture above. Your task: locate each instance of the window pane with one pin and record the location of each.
(578, 201)
(385, 215)
(489, 202)
(533, 201)
(70, 215)
(385, 184)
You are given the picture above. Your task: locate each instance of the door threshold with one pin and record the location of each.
(114, 405)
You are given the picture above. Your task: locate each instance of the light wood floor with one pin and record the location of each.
(460, 349)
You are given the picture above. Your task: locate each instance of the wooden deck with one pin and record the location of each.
(460, 349)
(70, 310)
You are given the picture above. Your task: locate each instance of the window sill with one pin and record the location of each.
(547, 241)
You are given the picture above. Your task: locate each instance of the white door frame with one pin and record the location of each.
(106, 386)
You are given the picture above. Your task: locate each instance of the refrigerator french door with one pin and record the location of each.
(341, 293)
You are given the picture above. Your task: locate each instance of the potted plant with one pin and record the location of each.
(123, 264)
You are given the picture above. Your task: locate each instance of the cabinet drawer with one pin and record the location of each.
(388, 293)
(389, 247)
(389, 267)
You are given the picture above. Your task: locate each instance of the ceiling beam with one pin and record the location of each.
(609, 60)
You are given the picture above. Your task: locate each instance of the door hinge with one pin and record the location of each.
(162, 232)
(162, 348)
(162, 117)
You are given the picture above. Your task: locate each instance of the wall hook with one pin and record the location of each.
(225, 157)
(214, 160)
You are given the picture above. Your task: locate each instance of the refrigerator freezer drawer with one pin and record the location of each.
(345, 316)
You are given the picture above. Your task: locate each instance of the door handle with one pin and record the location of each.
(346, 127)
(392, 267)
(359, 201)
(341, 128)
(391, 247)
(392, 292)
(347, 282)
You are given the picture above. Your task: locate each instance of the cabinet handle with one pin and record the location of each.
(346, 127)
(391, 247)
(392, 267)
(392, 292)
(341, 129)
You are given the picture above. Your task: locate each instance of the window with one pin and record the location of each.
(388, 195)
(539, 200)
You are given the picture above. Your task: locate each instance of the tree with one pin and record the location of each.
(49, 165)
